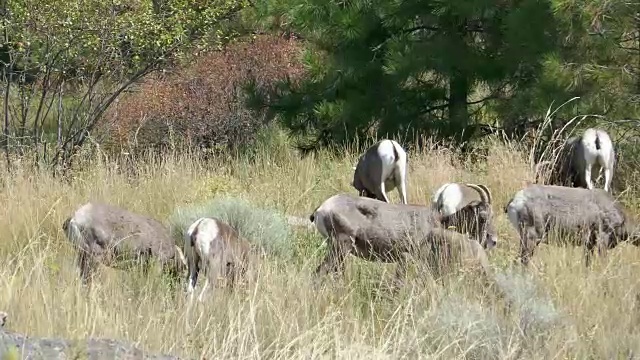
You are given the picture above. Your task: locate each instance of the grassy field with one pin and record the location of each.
(562, 310)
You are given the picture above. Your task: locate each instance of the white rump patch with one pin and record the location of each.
(321, 213)
(450, 199)
(517, 203)
(387, 157)
(208, 230)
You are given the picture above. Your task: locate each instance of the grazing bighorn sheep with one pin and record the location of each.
(382, 168)
(467, 207)
(215, 247)
(579, 156)
(115, 237)
(593, 215)
(375, 230)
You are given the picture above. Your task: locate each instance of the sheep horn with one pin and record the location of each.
(485, 194)
(486, 189)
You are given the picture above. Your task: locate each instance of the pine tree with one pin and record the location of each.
(392, 66)
(598, 60)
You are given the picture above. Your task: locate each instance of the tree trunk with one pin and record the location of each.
(458, 115)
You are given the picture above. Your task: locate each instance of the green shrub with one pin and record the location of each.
(11, 353)
(261, 227)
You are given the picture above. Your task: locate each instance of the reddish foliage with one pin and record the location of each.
(201, 104)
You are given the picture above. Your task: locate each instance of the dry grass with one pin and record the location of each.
(561, 309)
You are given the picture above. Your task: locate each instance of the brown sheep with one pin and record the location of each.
(379, 231)
(578, 156)
(594, 215)
(115, 237)
(382, 168)
(215, 247)
(467, 207)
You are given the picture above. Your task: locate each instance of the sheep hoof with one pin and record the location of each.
(3, 318)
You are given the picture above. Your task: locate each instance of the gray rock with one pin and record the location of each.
(46, 348)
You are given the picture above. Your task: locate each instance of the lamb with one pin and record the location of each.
(579, 155)
(118, 238)
(593, 215)
(377, 231)
(215, 247)
(382, 168)
(467, 207)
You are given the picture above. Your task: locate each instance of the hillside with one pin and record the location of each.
(561, 309)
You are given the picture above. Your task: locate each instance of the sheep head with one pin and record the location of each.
(487, 234)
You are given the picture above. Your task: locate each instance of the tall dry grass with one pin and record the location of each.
(559, 309)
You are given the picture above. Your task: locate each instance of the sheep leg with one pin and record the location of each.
(473, 255)
(436, 263)
(588, 252)
(234, 272)
(403, 193)
(335, 258)
(192, 277)
(368, 194)
(204, 289)
(587, 176)
(607, 178)
(213, 272)
(401, 272)
(602, 241)
(87, 265)
(595, 238)
(382, 193)
(402, 187)
(575, 179)
(528, 243)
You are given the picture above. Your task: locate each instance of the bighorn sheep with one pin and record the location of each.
(375, 230)
(3, 318)
(579, 155)
(382, 168)
(467, 207)
(593, 215)
(215, 247)
(115, 237)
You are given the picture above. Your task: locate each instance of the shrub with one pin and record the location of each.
(11, 353)
(261, 227)
(202, 105)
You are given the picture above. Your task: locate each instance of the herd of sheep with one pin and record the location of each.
(457, 226)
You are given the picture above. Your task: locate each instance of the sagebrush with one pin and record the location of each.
(559, 308)
(265, 228)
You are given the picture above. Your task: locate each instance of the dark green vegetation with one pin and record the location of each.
(150, 74)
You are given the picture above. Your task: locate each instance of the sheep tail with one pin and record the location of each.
(312, 217)
(395, 153)
(193, 236)
(70, 227)
(506, 207)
